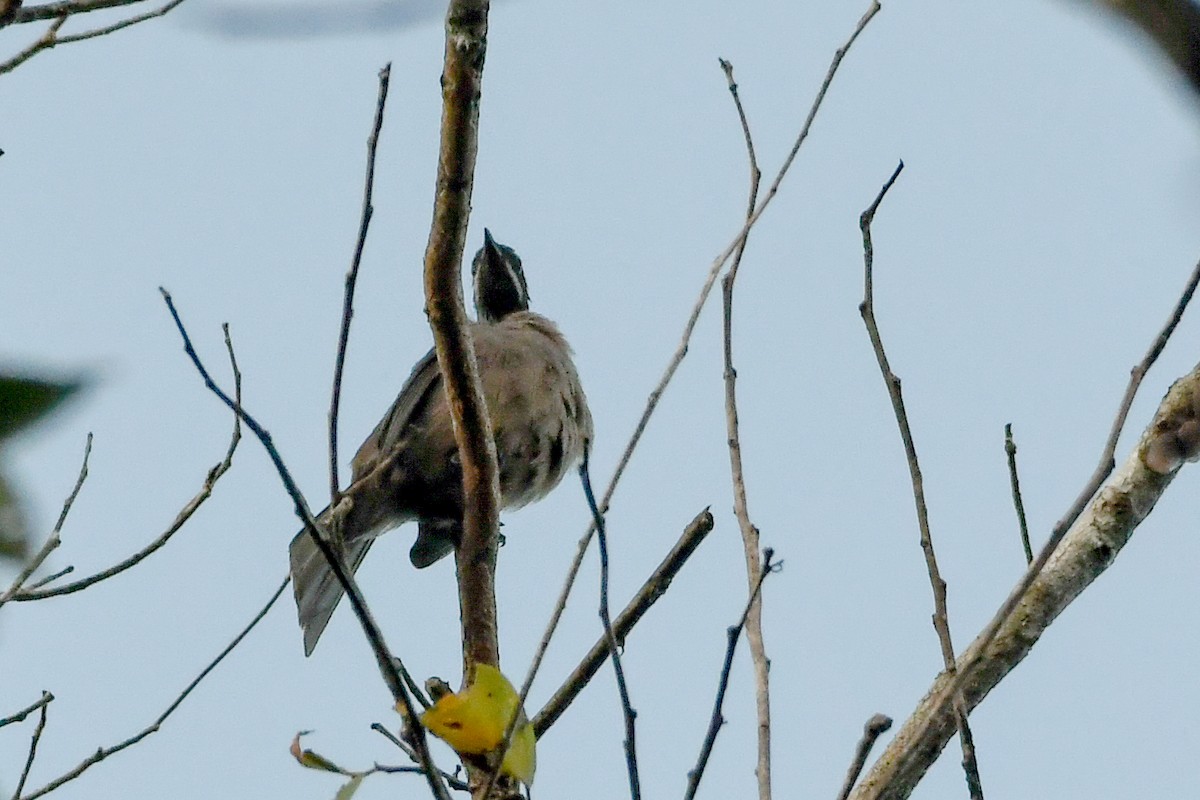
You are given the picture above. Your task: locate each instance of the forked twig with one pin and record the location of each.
(51, 38)
(1103, 470)
(54, 540)
(210, 482)
(383, 658)
(1089, 546)
(941, 619)
(689, 326)
(33, 746)
(20, 716)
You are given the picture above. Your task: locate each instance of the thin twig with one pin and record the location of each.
(51, 38)
(654, 588)
(1010, 451)
(54, 540)
(210, 482)
(872, 730)
(20, 716)
(682, 349)
(104, 752)
(364, 223)
(741, 508)
(1103, 470)
(731, 639)
(452, 781)
(941, 619)
(51, 578)
(1090, 547)
(33, 745)
(43, 42)
(383, 658)
(614, 649)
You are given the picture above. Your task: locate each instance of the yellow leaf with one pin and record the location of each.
(473, 722)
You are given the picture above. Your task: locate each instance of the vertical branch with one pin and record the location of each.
(368, 211)
(741, 509)
(941, 622)
(462, 76)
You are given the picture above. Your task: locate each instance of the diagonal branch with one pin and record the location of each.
(654, 588)
(717, 719)
(104, 752)
(1070, 560)
(51, 38)
(386, 662)
(682, 348)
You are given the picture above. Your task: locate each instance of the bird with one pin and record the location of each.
(408, 469)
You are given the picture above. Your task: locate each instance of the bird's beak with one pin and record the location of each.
(488, 241)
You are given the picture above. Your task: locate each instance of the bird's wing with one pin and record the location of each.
(418, 391)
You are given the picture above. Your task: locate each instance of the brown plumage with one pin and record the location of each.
(408, 468)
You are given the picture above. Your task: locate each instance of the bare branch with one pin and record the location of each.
(46, 41)
(1010, 451)
(51, 38)
(54, 540)
(654, 588)
(689, 326)
(614, 649)
(104, 752)
(210, 481)
(33, 745)
(741, 508)
(732, 635)
(941, 619)
(451, 781)
(66, 8)
(383, 658)
(872, 730)
(368, 211)
(475, 557)
(20, 716)
(1066, 565)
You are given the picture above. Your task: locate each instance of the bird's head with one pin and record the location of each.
(500, 287)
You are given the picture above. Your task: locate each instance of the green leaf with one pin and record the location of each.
(23, 400)
(347, 791)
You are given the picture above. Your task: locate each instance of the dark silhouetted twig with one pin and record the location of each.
(731, 639)
(364, 224)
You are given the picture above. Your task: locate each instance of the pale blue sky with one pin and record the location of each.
(1036, 241)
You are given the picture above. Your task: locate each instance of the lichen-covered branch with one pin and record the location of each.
(1089, 547)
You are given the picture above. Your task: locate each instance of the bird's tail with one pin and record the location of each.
(316, 587)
